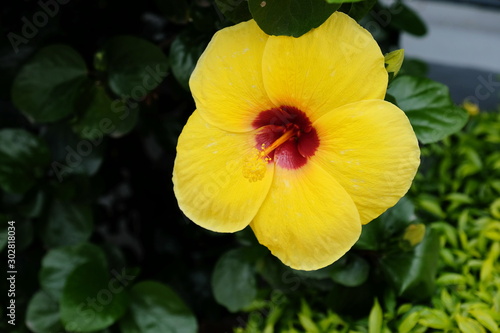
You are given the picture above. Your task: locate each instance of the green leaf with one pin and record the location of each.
(42, 315)
(428, 106)
(413, 273)
(57, 264)
(469, 325)
(398, 218)
(235, 10)
(47, 87)
(72, 155)
(432, 125)
(409, 322)
(393, 221)
(375, 319)
(184, 53)
(414, 67)
(290, 17)
(91, 300)
(394, 61)
(155, 307)
(33, 204)
(435, 318)
(67, 224)
(23, 159)
(485, 317)
(135, 66)
(233, 280)
(415, 93)
(350, 271)
(405, 19)
(358, 10)
(102, 116)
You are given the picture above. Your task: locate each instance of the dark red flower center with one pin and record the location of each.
(286, 136)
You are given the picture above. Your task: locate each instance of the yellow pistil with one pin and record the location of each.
(255, 165)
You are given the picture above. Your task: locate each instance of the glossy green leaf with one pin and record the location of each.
(155, 307)
(233, 280)
(42, 315)
(414, 67)
(135, 66)
(432, 125)
(351, 270)
(413, 273)
(184, 53)
(57, 264)
(398, 217)
(72, 155)
(48, 86)
(358, 10)
(91, 299)
(103, 116)
(12, 57)
(23, 159)
(428, 106)
(375, 234)
(67, 224)
(235, 10)
(33, 204)
(290, 17)
(405, 19)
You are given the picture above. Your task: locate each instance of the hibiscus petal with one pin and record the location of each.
(227, 82)
(208, 177)
(370, 148)
(335, 64)
(308, 220)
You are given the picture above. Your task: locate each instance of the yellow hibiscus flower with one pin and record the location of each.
(292, 137)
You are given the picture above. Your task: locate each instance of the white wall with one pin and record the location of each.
(458, 35)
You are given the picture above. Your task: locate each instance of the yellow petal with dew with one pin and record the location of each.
(308, 220)
(370, 148)
(218, 182)
(335, 64)
(227, 82)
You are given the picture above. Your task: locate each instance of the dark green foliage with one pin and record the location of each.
(289, 17)
(428, 105)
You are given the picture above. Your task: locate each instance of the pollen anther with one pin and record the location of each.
(255, 165)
